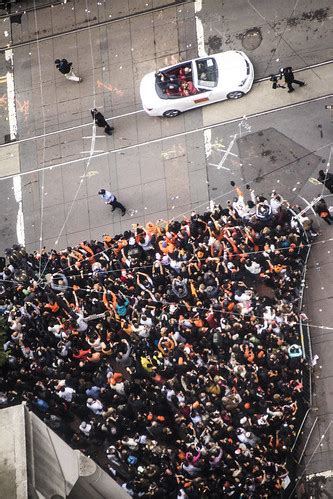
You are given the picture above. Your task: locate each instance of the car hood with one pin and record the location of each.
(232, 68)
(148, 94)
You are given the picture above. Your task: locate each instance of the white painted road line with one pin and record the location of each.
(176, 135)
(199, 29)
(12, 117)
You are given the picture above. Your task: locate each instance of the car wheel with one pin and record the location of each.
(172, 113)
(237, 94)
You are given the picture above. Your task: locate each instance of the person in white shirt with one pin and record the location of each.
(111, 199)
(145, 242)
(146, 321)
(81, 323)
(141, 330)
(85, 428)
(275, 202)
(95, 406)
(66, 393)
(252, 267)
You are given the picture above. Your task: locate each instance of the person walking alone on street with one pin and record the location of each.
(322, 209)
(66, 69)
(111, 199)
(101, 121)
(289, 78)
(326, 179)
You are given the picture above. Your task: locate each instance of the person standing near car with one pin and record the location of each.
(66, 69)
(111, 199)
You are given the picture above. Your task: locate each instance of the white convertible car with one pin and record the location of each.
(190, 84)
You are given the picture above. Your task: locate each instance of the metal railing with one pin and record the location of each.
(305, 403)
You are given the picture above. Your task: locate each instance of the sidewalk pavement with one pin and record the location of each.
(318, 305)
(59, 17)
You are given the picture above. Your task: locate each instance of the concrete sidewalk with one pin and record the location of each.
(59, 17)
(318, 305)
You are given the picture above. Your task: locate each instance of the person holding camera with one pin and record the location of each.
(275, 84)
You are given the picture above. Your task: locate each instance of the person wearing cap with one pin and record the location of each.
(111, 199)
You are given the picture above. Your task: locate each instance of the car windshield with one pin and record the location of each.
(207, 72)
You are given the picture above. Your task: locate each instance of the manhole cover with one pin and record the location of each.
(252, 39)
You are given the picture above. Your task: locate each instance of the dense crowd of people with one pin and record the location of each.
(173, 348)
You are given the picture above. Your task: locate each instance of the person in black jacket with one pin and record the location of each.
(66, 69)
(289, 78)
(101, 121)
(326, 179)
(322, 209)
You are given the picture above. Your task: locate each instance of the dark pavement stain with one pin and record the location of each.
(268, 153)
(215, 43)
(312, 15)
(269, 157)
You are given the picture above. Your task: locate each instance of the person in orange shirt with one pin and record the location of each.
(187, 88)
(166, 247)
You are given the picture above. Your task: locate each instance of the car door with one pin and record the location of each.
(202, 98)
(185, 103)
(218, 93)
(207, 77)
(189, 102)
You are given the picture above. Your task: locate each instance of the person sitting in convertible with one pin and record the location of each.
(187, 88)
(172, 89)
(167, 82)
(185, 73)
(165, 77)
